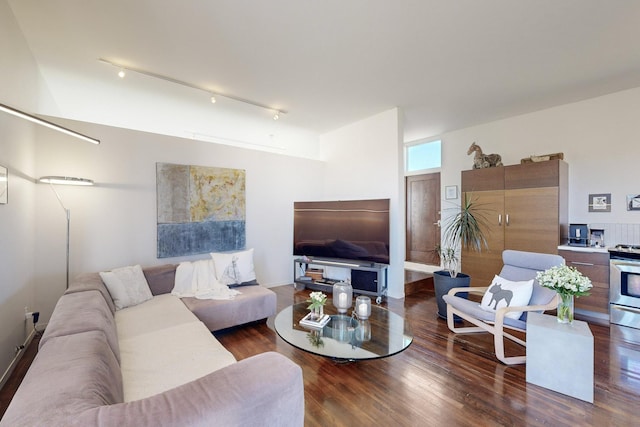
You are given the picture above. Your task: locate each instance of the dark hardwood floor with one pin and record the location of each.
(443, 379)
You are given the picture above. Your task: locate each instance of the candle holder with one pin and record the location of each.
(363, 331)
(342, 296)
(363, 307)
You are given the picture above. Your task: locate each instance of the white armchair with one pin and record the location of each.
(518, 266)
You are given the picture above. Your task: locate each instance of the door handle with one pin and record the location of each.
(506, 217)
(499, 219)
(437, 224)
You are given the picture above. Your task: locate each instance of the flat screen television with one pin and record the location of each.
(345, 229)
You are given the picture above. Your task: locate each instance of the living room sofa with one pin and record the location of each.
(154, 364)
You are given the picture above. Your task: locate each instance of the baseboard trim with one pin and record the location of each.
(16, 359)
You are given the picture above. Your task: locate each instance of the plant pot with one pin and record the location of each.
(442, 283)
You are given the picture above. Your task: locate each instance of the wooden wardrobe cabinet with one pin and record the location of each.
(525, 207)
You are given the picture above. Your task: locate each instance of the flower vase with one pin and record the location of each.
(318, 312)
(565, 308)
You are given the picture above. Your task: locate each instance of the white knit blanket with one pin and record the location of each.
(198, 279)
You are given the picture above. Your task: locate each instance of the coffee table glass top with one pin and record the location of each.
(384, 334)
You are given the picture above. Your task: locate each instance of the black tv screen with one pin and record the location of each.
(345, 229)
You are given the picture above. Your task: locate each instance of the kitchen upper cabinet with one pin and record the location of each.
(525, 207)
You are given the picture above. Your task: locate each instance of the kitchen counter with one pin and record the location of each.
(583, 249)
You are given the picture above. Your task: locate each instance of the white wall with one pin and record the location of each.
(114, 223)
(19, 83)
(364, 161)
(599, 138)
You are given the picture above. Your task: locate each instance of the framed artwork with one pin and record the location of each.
(633, 202)
(451, 192)
(200, 209)
(600, 202)
(4, 185)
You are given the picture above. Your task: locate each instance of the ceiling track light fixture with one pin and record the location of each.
(50, 125)
(65, 180)
(122, 69)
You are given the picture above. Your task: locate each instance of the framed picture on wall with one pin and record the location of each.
(4, 185)
(600, 202)
(633, 202)
(451, 192)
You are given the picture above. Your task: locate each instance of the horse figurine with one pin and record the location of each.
(481, 161)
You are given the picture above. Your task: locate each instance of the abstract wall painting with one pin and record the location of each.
(200, 209)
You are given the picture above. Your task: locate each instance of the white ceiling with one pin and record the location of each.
(446, 64)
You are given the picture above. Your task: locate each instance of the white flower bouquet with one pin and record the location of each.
(565, 280)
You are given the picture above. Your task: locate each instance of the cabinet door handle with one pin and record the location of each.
(499, 219)
(590, 264)
(506, 217)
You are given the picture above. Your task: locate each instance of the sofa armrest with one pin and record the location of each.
(263, 390)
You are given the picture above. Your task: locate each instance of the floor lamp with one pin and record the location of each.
(64, 180)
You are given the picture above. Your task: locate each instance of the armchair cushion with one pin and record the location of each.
(507, 293)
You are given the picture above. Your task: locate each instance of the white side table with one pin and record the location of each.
(560, 356)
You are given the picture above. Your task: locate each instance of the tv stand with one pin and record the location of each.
(367, 278)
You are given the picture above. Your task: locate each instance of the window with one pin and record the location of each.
(423, 155)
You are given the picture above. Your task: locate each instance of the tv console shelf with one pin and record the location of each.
(367, 278)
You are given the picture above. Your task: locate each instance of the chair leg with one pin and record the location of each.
(498, 340)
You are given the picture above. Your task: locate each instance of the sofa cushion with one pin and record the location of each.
(164, 359)
(127, 286)
(82, 312)
(161, 312)
(253, 303)
(161, 278)
(70, 374)
(91, 282)
(235, 267)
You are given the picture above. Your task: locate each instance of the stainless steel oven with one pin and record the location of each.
(624, 285)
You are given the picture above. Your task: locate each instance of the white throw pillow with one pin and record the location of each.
(127, 286)
(235, 267)
(505, 293)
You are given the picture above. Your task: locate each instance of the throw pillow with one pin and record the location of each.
(505, 293)
(127, 286)
(234, 268)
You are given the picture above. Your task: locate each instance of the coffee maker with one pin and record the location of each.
(578, 235)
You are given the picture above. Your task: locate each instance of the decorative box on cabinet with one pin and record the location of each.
(525, 207)
(594, 264)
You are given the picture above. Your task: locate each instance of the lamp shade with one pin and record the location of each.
(65, 180)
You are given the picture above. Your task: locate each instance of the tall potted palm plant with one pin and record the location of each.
(463, 230)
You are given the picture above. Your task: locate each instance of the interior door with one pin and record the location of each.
(423, 218)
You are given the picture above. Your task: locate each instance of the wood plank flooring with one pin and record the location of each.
(447, 379)
(441, 379)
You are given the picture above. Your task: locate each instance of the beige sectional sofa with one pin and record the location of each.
(154, 364)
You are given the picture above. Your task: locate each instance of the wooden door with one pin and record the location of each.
(532, 222)
(423, 218)
(483, 265)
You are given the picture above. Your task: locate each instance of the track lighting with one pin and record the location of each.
(65, 180)
(213, 95)
(45, 123)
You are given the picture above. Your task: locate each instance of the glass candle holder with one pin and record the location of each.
(363, 331)
(363, 307)
(342, 296)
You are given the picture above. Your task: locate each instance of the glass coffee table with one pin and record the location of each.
(345, 338)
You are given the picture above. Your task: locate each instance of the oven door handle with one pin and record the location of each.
(624, 308)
